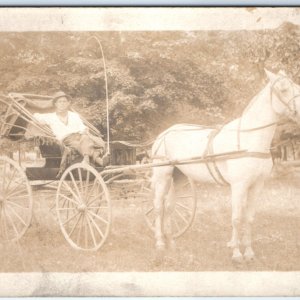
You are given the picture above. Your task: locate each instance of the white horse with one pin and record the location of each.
(245, 174)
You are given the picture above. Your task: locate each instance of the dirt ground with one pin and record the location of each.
(130, 244)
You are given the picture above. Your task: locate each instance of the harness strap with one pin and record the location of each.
(255, 154)
(212, 167)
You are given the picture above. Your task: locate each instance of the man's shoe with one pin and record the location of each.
(99, 161)
(106, 159)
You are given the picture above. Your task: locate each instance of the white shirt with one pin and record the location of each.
(59, 129)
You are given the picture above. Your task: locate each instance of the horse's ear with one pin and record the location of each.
(281, 72)
(271, 75)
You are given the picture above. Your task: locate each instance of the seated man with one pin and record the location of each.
(69, 129)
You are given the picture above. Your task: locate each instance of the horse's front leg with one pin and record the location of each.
(161, 181)
(249, 218)
(238, 201)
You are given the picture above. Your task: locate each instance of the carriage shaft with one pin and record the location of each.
(191, 160)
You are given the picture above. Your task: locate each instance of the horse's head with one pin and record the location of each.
(285, 95)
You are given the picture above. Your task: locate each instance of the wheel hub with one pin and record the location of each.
(82, 207)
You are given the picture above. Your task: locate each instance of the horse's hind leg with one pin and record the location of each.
(169, 208)
(161, 181)
(249, 218)
(238, 199)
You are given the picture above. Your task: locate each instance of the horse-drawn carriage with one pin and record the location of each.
(83, 191)
(236, 154)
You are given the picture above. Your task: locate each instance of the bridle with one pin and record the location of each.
(291, 104)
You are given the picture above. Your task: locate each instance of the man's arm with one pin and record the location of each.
(41, 118)
(82, 128)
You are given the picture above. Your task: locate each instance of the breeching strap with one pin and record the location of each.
(212, 167)
(211, 164)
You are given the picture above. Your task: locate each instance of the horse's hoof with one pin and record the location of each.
(160, 246)
(172, 244)
(159, 258)
(249, 258)
(237, 258)
(249, 255)
(230, 244)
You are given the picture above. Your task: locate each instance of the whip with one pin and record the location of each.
(106, 88)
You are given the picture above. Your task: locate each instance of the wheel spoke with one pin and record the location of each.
(1, 218)
(4, 221)
(95, 199)
(181, 216)
(176, 224)
(16, 204)
(80, 229)
(74, 216)
(96, 225)
(92, 231)
(66, 208)
(185, 184)
(69, 200)
(74, 226)
(80, 180)
(149, 211)
(145, 201)
(16, 188)
(152, 222)
(98, 207)
(17, 215)
(87, 180)
(89, 192)
(13, 224)
(86, 232)
(98, 217)
(11, 178)
(147, 189)
(19, 197)
(70, 190)
(15, 194)
(75, 184)
(143, 195)
(183, 206)
(4, 177)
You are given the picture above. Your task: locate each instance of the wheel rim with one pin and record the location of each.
(182, 210)
(83, 207)
(15, 201)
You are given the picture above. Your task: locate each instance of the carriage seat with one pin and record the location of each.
(53, 152)
(57, 159)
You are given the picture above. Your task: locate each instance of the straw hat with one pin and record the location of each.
(58, 95)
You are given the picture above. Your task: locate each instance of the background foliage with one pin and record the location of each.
(155, 79)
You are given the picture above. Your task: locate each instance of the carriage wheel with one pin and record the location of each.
(181, 210)
(83, 207)
(15, 200)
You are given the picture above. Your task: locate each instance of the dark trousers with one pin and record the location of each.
(84, 144)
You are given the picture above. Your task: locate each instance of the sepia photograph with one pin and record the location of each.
(150, 151)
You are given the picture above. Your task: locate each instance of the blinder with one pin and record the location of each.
(290, 104)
